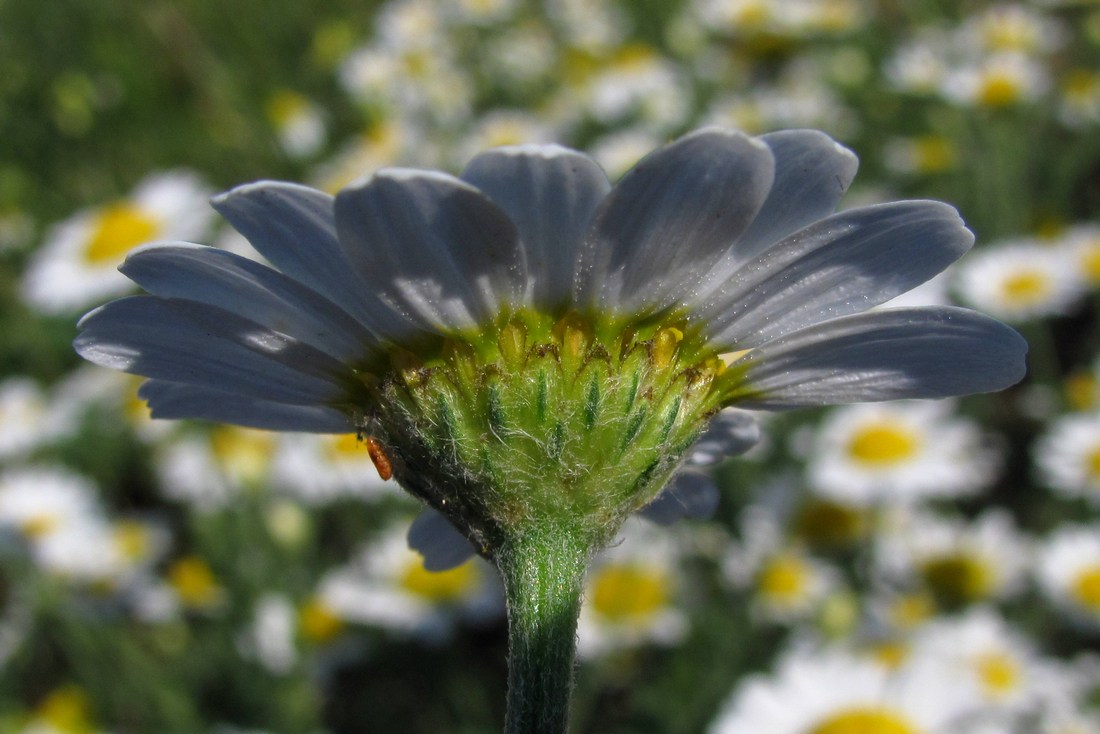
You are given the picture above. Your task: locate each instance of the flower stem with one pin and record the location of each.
(543, 575)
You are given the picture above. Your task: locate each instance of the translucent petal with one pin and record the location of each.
(294, 227)
(436, 539)
(670, 219)
(250, 290)
(196, 344)
(436, 248)
(177, 400)
(730, 433)
(882, 355)
(550, 193)
(840, 265)
(690, 494)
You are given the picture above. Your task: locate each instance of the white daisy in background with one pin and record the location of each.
(999, 80)
(1068, 571)
(298, 123)
(1011, 27)
(785, 582)
(104, 557)
(479, 12)
(502, 127)
(1006, 671)
(631, 594)
(594, 28)
(1018, 280)
(920, 155)
(520, 56)
(1079, 98)
(636, 83)
(960, 562)
(1067, 456)
(1082, 246)
(385, 144)
(37, 502)
(617, 152)
(77, 263)
(830, 691)
(387, 585)
(920, 65)
(900, 452)
(322, 468)
(209, 469)
(800, 98)
(270, 638)
(28, 418)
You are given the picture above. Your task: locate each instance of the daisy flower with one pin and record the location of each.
(899, 452)
(298, 123)
(387, 585)
(37, 502)
(1067, 456)
(209, 469)
(959, 562)
(535, 350)
(320, 468)
(28, 418)
(1018, 280)
(1068, 571)
(1082, 245)
(77, 263)
(630, 594)
(834, 692)
(996, 81)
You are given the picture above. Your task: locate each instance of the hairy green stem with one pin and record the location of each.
(543, 573)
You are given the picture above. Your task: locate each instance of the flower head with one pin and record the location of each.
(530, 345)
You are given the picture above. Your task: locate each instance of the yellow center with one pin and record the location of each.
(865, 721)
(132, 539)
(998, 673)
(1086, 587)
(910, 610)
(194, 582)
(883, 444)
(284, 106)
(1081, 85)
(783, 578)
(118, 229)
(830, 524)
(67, 710)
(999, 90)
(933, 154)
(1082, 391)
(1025, 288)
(39, 526)
(317, 623)
(1092, 465)
(242, 453)
(346, 446)
(439, 586)
(627, 592)
(891, 654)
(958, 578)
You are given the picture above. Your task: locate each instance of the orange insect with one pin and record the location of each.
(381, 460)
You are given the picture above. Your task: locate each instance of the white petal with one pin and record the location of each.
(250, 290)
(670, 219)
(550, 193)
(812, 172)
(438, 541)
(690, 494)
(434, 246)
(294, 227)
(883, 355)
(177, 400)
(188, 342)
(730, 433)
(841, 265)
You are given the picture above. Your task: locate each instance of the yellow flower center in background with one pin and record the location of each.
(998, 673)
(625, 592)
(910, 610)
(39, 526)
(440, 586)
(117, 230)
(891, 654)
(933, 153)
(830, 524)
(284, 106)
(346, 446)
(865, 721)
(999, 90)
(880, 444)
(1086, 587)
(1092, 465)
(1025, 288)
(194, 582)
(958, 578)
(783, 578)
(242, 453)
(317, 623)
(1082, 391)
(1090, 261)
(67, 710)
(132, 539)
